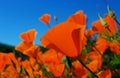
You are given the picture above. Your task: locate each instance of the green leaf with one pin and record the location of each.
(102, 21)
(37, 76)
(115, 62)
(67, 74)
(110, 12)
(20, 54)
(89, 75)
(115, 37)
(107, 37)
(106, 59)
(46, 73)
(84, 50)
(89, 60)
(6, 48)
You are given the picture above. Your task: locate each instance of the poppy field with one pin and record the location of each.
(68, 50)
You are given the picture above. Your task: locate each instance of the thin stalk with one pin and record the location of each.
(117, 21)
(97, 50)
(87, 68)
(93, 45)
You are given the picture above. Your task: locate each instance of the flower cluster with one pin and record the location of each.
(68, 50)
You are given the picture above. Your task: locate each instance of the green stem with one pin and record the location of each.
(93, 45)
(69, 62)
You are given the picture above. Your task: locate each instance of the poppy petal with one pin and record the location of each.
(63, 39)
(78, 18)
(28, 36)
(45, 18)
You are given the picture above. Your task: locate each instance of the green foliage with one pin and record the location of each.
(84, 50)
(20, 54)
(106, 37)
(102, 21)
(110, 12)
(37, 76)
(46, 73)
(23, 72)
(115, 62)
(6, 48)
(43, 49)
(67, 73)
(110, 38)
(111, 61)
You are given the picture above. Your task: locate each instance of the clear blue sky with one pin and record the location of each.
(17, 16)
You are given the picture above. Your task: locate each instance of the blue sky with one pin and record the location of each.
(17, 16)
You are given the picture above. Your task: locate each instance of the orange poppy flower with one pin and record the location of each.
(115, 47)
(13, 64)
(51, 57)
(89, 33)
(28, 36)
(96, 56)
(10, 72)
(53, 60)
(34, 64)
(105, 74)
(32, 51)
(4, 60)
(26, 65)
(15, 61)
(57, 70)
(66, 37)
(28, 39)
(93, 66)
(45, 18)
(39, 57)
(78, 18)
(79, 70)
(111, 23)
(84, 57)
(23, 46)
(98, 27)
(101, 45)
